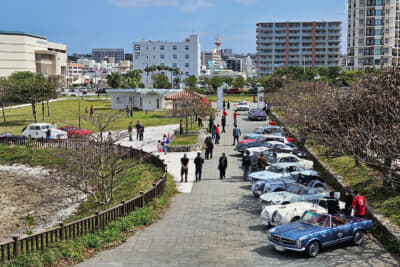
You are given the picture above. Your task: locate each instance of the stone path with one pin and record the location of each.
(218, 224)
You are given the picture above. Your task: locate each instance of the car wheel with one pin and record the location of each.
(313, 249)
(358, 238)
(295, 219)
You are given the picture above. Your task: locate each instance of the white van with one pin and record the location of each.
(38, 130)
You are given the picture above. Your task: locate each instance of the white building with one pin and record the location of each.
(183, 55)
(143, 99)
(20, 51)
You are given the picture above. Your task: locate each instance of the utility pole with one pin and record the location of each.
(304, 65)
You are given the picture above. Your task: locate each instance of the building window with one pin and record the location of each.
(186, 47)
(174, 47)
(137, 47)
(162, 56)
(186, 65)
(378, 22)
(378, 2)
(174, 56)
(377, 41)
(187, 73)
(360, 41)
(175, 65)
(186, 56)
(377, 51)
(162, 64)
(378, 12)
(386, 30)
(386, 40)
(118, 100)
(361, 21)
(361, 12)
(162, 47)
(378, 32)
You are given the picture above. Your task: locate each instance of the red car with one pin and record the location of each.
(75, 132)
(246, 141)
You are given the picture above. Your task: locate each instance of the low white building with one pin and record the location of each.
(143, 99)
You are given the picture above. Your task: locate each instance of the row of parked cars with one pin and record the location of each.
(293, 196)
(39, 131)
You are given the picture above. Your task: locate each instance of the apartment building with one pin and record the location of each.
(184, 55)
(20, 51)
(108, 54)
(309, 44)
(374, 34)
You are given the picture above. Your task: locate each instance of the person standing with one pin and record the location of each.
(198, 162)
(164, 144)
(48, 133)
(210, 147)
(137, 126)
(184, 167)
(54, 124)
(200, 122)
(224, 113)
(228, 105)
(141, 131)
(349, 202)
(246, 164)
(236, 134)
(222, 166)
(130, 130)
(358, 204)
(217, 134)
(262, 162)
(91, 110)
(224, 103)
(127, 111)
(223, 123)
(181, 127)
(332, 204)
(131, 111)
(211, 124)
(235, 114)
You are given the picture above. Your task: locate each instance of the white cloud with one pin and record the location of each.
(184, 5)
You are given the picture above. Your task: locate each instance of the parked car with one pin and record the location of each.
(267, 130)
(315, 231)
(243, 147)
(75, 132)
(242, 106)
(281, 214)
(283, 198)
(273, 140)
(10, 137)
(257, 114)
(293, 185)
(288, 157)
(38, 130)
(233, 91)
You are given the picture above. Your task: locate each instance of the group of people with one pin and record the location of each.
(129, 111)
(91, 110)
(356, 203)
(139, 131)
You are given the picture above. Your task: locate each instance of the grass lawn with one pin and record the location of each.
(232, 98)
(65, 113)
(184, 140)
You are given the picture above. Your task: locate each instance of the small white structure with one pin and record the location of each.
(144, 99)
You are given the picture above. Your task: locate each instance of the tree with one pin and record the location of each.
(228, 80)
(239, 82)
(252, 82)
(3, 96)
(133, 79)
(160, 81)
(216, 82)
(114, 80)
(177, 80)
(191, 82)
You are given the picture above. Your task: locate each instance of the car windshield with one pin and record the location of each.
(274, 130)
(258, 131)
(275, 169)
(47, 126)
(242, 104)
(316, 219)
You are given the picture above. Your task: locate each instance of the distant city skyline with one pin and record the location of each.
(83, 25)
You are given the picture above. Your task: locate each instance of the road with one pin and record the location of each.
(218, 224)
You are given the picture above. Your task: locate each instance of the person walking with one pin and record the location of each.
(224, 113)
(209, 147)
(262, 162)
(127, 111)
(348, 203)
(211, 123)
(224, 103)
(198, 162)
(164, 144)
(137, 126)
(130, 130)
(222, 166)
(358, 205)
(200, 122)
(184, 167)
(217, 134)
(236, 134)
(228, 105)
(181, 127)
(246, 164)
(223, 123)
(332, 204)
(235, 114)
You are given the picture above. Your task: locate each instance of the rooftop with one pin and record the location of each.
(22, 34)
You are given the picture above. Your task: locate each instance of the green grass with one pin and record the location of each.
(232, 98)
(65, 113)
(184, 140)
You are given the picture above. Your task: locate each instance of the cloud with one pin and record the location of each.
(184, 5)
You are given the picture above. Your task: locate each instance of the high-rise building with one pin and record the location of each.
(20, 51)
(235, 64)
(183, 55)
(98, 54)
(301, 44)
(373, 35)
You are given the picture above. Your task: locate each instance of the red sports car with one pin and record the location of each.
(75, 132)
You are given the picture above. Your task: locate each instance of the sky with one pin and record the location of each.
(86, 24)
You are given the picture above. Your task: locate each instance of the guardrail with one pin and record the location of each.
(39, 241)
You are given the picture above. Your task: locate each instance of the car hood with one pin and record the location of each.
(293, 231)
(277, 196)
(265, 175)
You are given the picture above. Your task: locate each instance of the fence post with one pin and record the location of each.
(97, 220)
(15, 246)
(142, 195)
(123, 208)
(62, 231)
(155, 190)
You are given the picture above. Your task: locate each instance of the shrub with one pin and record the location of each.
(91, 241)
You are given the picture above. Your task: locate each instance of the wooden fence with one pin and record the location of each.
(39, 241)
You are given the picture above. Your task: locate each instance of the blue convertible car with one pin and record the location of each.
(315, 231)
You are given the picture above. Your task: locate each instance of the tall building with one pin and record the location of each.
(235, 64)
(309, 44)
(183, 55)
(98, 54)
(373, 36)
(20, 51)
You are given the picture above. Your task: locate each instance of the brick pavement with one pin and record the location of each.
(218, 224)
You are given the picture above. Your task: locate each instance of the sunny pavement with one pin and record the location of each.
(218, 224)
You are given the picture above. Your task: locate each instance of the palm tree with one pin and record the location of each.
(114, 80)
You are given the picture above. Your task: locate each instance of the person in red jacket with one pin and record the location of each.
(235, 114)
(224, 113)
(218, 136)
(359, 203)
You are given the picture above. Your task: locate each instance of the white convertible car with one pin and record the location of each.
(281, 214)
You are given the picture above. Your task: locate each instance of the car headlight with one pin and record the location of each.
(298, 243)
(269, 235)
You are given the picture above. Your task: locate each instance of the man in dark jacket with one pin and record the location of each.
(223, 123)
(222, 166)
(184, 167)
(209, 147)
(246, 164)
(198, 162)
(349, 202)
(332, 204)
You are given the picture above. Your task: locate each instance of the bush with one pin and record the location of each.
(143, 216)
(91, 241)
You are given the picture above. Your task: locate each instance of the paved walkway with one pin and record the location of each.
(218, 225)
